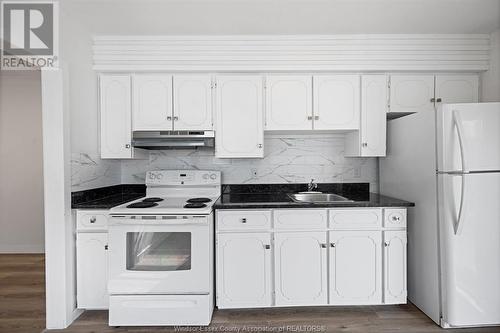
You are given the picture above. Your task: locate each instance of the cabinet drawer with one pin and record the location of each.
(394, 218)
(244, 220)
(355, 218)
(285, 219)
(91, 220)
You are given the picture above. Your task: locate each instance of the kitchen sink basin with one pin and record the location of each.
(317, 197)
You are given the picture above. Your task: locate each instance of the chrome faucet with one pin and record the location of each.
(311, 186)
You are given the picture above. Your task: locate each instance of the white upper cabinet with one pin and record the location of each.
(355, 267)
(192, 102)
(336, 102)
(244, 270)
(370, 140)
(395, 267)
(288, 102)
(411, 93)
(301, 268)
(239, 117)
(457, 88)
(152, 102)
(115, 112)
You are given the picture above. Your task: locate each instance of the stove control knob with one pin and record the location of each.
(159, 176)
(213, 176)
(152, 176)
(205, 176)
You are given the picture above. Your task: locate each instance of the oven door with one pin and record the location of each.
(163, 255)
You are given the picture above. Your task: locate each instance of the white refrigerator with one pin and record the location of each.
(448, 163)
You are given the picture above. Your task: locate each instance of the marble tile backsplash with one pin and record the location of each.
(286, 160)
(89, 171)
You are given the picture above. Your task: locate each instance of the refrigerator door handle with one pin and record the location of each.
(457, 227)
(457, 120)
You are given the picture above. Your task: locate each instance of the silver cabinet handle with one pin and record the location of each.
(176, 118)
(267, 247)
(169, 118)
(433, 100)
(127, 146)
(439, 100)
(106, 247)
(309, 117)
(93, 219)
(316, 117)
(259, 145)
(323, 246)
(386, 244)
(244, 220)
(332, 244)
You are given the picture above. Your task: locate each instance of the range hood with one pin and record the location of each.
(156, 140)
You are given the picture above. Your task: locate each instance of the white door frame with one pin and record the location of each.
(60, 280)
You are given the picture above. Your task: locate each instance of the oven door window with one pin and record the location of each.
(158, 251)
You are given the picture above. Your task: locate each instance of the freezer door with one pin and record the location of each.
(468, 137)
(469, 212)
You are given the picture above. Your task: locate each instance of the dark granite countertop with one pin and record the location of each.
(107, 197)
(275, 196)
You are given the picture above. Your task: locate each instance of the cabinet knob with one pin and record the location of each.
(439, 100)
(386, 244)
(323, 246)
(127, 145)
(105, 247)
(176, 118)
(332, 245)
(395, 218)
(433, 100)
(169, 118)
(364, 144)
(267, 247)
(259, 145)
(309, 117)
(244, 220)
(316, 117)
(93, 219)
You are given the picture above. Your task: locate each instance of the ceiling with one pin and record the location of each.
(186, 17)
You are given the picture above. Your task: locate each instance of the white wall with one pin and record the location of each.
(87, 168)
(491, 78)
(21, 174)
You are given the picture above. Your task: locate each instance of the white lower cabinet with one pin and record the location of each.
(395, 267)
(92, 270)
(355, 267)
(354, 259)
(244, 270)
(300, 260)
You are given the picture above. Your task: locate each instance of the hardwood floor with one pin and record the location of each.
(22, 293)
(22, 309)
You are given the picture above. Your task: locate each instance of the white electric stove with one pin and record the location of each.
(161, 251)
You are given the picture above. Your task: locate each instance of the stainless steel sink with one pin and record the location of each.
(317, 197)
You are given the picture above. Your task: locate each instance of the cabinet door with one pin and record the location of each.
(300, 268)
(395, 267)
(92, 270)
(115, 112)
(411, 93)
(336, 102)
(457, 88)
(355, 267)
(243, 270)
(239, 125)
(374, 100)
(152, 109)
(288, 102)
(193, 102)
